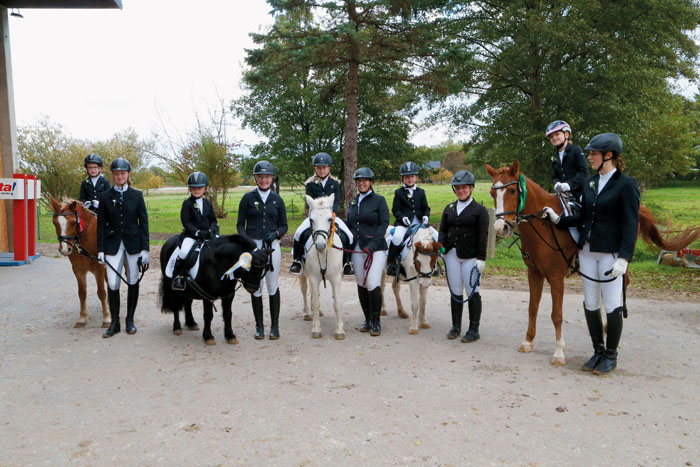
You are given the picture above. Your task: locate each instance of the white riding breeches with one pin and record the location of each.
(272, 277)
(374, 275)
(186, 246)
(117, 262)
(306, 224)
(596, 265)
(459, 273)
(400, 231)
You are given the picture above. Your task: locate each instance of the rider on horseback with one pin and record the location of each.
(198, 224)
(321, 184)
(569, 167)
(411, 210)
(94, 184)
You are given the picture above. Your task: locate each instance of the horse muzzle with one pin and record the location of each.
(503, 228)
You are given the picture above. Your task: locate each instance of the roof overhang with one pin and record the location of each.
(58, 4)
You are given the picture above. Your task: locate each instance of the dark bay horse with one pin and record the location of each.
(217, 257)
(548, 252)
(76, 228)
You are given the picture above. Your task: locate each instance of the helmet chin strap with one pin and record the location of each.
(603, 162)
(562, 145)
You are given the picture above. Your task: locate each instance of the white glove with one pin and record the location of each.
(619, 267)
(564, 187)
(101, 257)
(480, 265)
(144, 257)
(549, 213)
(87, 204)
(406, 221)
(426, 220)
(95, 204)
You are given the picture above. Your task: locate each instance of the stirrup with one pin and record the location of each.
(348, 270)
(178, 283)
(295, 268)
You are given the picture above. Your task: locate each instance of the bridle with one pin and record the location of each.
(522, 198)
(327, 235)
(433, 259)
(78, 230)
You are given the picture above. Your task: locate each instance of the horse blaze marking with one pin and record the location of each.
(62, 222)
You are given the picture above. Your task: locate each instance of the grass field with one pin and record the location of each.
(678, 202)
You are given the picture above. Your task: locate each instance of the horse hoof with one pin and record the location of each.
(403, 315)
(340, 337)
(384, 313)
(308, 318)
(413, 331)
(525, 348)
(177, 332)
(320, 313)
(558, 361)
(105, 324)
(82, 325)
(232, 341)
(211, 341)
(193, 327)
(424, 326)
(316, 335)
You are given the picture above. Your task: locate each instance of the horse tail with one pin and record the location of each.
(652, 235)
(170, 301)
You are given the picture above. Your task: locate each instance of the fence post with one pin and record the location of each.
(491, 242)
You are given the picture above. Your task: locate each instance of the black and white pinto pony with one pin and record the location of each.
(418, 264)
(223, 262)
(323, 263)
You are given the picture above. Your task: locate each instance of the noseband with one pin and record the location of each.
(78, 230)
(522, 197)
(433, 259)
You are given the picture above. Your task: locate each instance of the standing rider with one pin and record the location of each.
(94, 184)
(318, 185)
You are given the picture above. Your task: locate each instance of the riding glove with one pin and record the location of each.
(144, 257)
(87, 204)
(204, 234)
(95, 204)
(426, 221)
(480, 265)
(406, 222)
(270, 237)
(619, 267)
(549, 213)
(101, 257)
(563, 187)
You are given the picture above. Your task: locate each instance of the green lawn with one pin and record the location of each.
(678, 202)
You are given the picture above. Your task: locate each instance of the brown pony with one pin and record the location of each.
(548, 252)
(76, 228)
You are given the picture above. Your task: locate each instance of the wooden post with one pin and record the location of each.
(491, 242)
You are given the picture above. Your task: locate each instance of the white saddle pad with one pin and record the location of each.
(171, 264)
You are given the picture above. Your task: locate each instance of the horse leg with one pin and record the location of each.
(415, 297)
(190, 323)
(177, 329)
(536, 281)
(315, 308)
(101, 279)
(339, 330)
(396, 287)
(227, 314)
(304, 286)
(421, 309)
(208, 316)
(556, 285)
(383, 286)
(80, 276)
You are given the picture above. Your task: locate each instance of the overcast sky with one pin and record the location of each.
(99, 71)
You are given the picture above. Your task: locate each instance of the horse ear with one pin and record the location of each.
(55, 205)
(331, 198)
(515, 167)
(491, 171)
(309, 201)
(437, 245)
(74, 205)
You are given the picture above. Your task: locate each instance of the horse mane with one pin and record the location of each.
(323, 202)
(226, 241)
(83, 209)
(653, 236)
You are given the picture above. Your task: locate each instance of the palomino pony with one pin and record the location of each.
(324, 261)
(223, 263)
(418, 264)
(76, 228)
(548, 252)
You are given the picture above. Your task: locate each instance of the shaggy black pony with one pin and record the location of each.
(217, 257)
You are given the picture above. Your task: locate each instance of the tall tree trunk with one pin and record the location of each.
(352, 93)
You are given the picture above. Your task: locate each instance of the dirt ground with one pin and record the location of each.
(68, 396)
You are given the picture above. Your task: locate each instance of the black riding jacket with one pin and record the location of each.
(90, 192)
(255, 218)
(315, 189)
(573, 170)
(122, 218)
(467, 231)
(193, 220)
(368, 224)
(403, 206)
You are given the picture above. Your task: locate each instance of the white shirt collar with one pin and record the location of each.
(122, 190)
(264, 194)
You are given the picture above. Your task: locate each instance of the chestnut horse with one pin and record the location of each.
(548, 252)
(76, 228)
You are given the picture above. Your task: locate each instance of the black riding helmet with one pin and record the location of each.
(264, 168)
(120, 164)
(197, 180)
(408, 168)
(364, 172)
(463, 177)
(322, 158)
(93, 159)
(605, 142)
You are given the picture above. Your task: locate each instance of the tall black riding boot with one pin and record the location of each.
(348, 269)
(595, 329)
(456, 308)
(375, 306)
(363, 294)
(275, 315)
(178, 279)
(132, 298)
(392, 260)
(474, 304)
(609, 361)
(257, 303)
(113, 301)
(297, 251)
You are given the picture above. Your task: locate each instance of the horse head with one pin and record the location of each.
(321, 219)
(425, 255)
(251, 278)
(69, 219)
(506, 193)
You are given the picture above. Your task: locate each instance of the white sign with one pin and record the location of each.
(11, 188)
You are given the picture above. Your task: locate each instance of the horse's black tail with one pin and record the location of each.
(170, 301)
